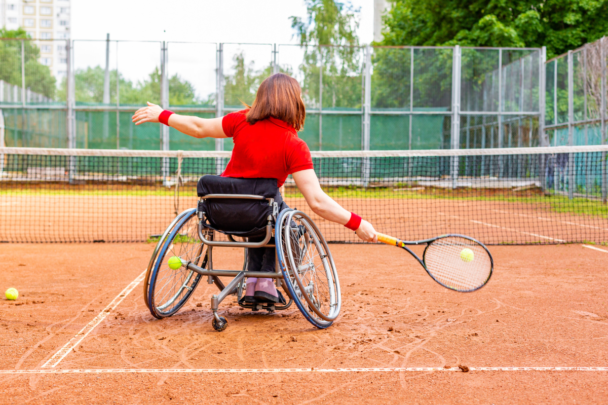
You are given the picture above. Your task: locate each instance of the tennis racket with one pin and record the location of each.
(456, 262)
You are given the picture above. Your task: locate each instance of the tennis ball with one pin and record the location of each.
(11, 294)
(175, 263)
(467, 255)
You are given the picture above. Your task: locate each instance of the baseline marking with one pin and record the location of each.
(289, 370)
(594, 248)
(75, 341)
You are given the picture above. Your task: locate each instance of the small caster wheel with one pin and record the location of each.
(221, 325)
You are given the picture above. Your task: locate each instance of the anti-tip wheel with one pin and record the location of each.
(221, 325)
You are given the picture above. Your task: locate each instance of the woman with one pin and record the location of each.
(266, 145)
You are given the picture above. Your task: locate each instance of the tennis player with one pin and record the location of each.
(266, 145)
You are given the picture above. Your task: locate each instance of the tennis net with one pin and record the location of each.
(498, 196)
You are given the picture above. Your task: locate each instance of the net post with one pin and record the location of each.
(219, 102)
(603, 118)
(455, 113)
(71, 118)
(366, 114)
(570, 164)
(164, 97)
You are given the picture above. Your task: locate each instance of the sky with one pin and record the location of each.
(196, 21)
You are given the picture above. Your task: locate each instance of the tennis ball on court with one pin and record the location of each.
(175, 263)
(467, 255)
(11, 294)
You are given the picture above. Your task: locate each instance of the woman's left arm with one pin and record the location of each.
(186, 124)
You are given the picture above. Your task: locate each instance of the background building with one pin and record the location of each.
(44, 20)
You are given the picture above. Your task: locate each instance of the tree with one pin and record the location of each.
(329, 38)
(241, 86)
(89, 83)
(560, 25)
(38, 77)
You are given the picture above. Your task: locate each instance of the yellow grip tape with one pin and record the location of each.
(389, 240)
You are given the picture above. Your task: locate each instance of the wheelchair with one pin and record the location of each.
(240, 210)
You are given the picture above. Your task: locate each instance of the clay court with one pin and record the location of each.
(81, 333)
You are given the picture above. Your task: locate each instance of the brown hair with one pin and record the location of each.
(279, 96)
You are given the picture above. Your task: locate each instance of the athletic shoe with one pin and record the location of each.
(265, 291)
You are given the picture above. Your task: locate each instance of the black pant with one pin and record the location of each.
(264, 259)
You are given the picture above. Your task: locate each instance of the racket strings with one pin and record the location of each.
(458, 263)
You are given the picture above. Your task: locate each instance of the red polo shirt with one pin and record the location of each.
(268, 149)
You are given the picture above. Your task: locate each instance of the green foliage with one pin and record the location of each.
(329, 38)
(241, 86)
(560, 25)
(89, 85)
(38, 78)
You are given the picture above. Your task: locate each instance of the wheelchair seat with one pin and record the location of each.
(243, 217)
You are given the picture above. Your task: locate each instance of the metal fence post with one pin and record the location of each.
(367, 105)
(106, 90)
(275, 64)
(320, 99)
(543, 139)
(117, 101)
(71, 102)
(455, 113)
(500, 108)
(164, 100)
(604, 161)
(1, 141)
(219, 102)
(571, 177)
(23, 73)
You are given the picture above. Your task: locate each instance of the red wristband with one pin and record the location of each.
(354, 222)
(164, 117)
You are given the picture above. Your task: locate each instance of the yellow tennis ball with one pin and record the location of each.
(11, 294)
(175, 263)
(467, 255)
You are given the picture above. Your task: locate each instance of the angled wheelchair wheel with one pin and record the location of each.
(308, 268)
(169, 289)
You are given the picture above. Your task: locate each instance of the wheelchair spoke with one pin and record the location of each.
(172, 286)
(311, 270)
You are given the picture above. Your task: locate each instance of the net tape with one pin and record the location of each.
(498, 196)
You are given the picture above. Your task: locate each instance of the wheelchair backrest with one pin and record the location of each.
(235, 216)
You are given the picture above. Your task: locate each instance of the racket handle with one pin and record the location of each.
(389, 240)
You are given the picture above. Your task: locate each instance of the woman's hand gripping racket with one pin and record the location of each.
(456, 262)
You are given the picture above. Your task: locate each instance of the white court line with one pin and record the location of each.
(552, 220)
(594, 248)
(508, 229)
(75, 341)
(286, 370)
(515, 230)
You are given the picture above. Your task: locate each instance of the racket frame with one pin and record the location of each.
(389, 240)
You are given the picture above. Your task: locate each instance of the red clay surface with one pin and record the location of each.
(86, 218)
(545, 306)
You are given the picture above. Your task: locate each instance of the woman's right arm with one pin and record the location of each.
(186, 124)
(325, 207)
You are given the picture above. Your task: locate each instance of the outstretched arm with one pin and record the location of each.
(186, 124)
(325, 207)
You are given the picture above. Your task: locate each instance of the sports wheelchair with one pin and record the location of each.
(243, 209)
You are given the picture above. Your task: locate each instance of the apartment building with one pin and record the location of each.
(43, 20)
